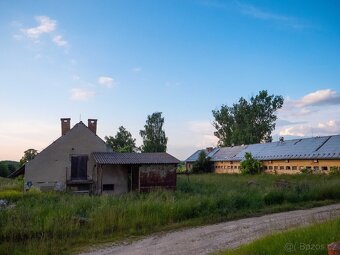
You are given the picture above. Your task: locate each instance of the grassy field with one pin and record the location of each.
(312, 240)
(46, 223)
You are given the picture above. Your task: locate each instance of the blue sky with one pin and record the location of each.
(119, 61)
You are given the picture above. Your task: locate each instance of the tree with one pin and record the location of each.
(247, 122)
(202, 164)
(28, 155)
(154, 139)
(3, 170)
(250, 165)
(122, 142)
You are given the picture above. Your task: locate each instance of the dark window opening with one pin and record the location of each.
(294, 168)
(324, 168)
(79, 167)
(270, 167)
(287, 167)
(282, 167)
(108, 187)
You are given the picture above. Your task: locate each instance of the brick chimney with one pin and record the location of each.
(92, 125)
(209, 149)
(65, 125)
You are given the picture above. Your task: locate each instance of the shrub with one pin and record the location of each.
(250, 165)
(334, 170)
(202, 164)
(306, 170)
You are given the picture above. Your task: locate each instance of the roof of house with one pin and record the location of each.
(325, 147)
(115, 158)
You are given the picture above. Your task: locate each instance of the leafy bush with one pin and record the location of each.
(306, 170)
(334, 170)
(250, 165)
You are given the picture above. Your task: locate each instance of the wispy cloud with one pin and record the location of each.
(136, 69)
(312, 114)
(45, 25)
(256, 12)
(320, 97)
(81, 94)
(107, 81)
(58, 40)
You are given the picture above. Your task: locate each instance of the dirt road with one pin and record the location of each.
(211, 238)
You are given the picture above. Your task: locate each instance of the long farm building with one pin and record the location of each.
(319, 154)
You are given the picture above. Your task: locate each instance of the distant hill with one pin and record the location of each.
(7, 167)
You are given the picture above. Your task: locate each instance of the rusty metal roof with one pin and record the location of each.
(115, 158)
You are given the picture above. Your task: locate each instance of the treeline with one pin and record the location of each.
(7, 167)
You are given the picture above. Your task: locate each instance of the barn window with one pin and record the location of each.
(287, 167)
(107, 187)
(294, 167)
(270, 167)
(275, 167)
(324, 168)
(282, 167)
(79, 167)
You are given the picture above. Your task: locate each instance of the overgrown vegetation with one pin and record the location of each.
(303, 241)
(250, 165)
(202, 165)
(47, 223)
(7, 167)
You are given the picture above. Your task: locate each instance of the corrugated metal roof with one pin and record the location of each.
(227, 153)
(115, 158)
(326, 147)
(194, 157)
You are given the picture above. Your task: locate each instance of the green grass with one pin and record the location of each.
(311, 240)
(44, 223)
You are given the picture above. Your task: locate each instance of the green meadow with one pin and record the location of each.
(61, 223)
(311, 240)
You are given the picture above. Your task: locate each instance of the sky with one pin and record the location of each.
(119, 61)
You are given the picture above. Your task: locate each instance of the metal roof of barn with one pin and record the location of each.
(115, 158)
(194, 157)
(326, 147)
(227, 153)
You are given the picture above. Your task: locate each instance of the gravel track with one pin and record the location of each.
(212, 238)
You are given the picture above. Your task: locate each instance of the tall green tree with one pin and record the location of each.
(247, 122)
(154, 139)
(122, 141)
(28, 155)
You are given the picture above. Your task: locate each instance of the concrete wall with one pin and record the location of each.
(116, 175)
(52, 166)
(280, 166)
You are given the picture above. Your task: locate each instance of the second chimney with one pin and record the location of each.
(65, 125)
(92, 125)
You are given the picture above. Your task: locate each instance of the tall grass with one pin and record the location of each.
(303, 241)
(47, 223)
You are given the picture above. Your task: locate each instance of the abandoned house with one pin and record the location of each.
(282, 157)
(81, 161)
